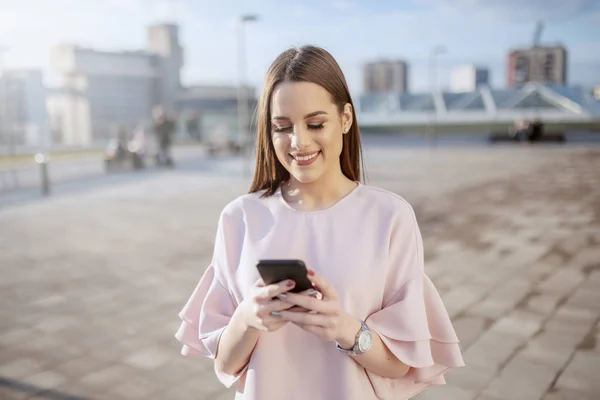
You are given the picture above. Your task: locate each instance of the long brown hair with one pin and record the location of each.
(302, 64)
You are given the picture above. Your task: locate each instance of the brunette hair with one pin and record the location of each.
(302, 64)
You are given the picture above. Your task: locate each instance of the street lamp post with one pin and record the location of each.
(242, 92)
(435, 52)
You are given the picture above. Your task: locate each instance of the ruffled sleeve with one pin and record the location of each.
(413, 322)
(210, 307)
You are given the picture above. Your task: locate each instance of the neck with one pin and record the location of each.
(320, 194)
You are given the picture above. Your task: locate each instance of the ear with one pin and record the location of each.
(347, 118)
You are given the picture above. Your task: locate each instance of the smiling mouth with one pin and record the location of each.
(305, 159)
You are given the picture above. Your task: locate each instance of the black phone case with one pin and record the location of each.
(273, 271)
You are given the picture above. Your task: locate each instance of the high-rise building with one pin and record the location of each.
(467, 78)
(537, 64)
(385, 76)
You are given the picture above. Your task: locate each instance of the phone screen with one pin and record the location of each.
(274, 271)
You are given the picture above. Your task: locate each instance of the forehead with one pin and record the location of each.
(294, 99)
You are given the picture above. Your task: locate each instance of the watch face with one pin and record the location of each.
(364, 341)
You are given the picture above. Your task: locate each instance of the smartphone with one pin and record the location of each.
(273, 271)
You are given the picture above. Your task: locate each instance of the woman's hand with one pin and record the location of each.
(325, 318)
(261, 309)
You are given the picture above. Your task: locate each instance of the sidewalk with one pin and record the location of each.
(93, 281)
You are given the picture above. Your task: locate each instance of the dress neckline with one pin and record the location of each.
(322, 210)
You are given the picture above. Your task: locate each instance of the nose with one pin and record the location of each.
(300, 138)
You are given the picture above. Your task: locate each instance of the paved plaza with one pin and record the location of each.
(92, 279)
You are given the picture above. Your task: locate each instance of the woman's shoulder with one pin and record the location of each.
(387, 201)
(246, 203)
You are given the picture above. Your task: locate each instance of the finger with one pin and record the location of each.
(305, 318)
(259, 283)
(277, 305)
(324, 287)
(298, 309)
(270, 291)
(310, 303)
(312, 293)
(309, 292)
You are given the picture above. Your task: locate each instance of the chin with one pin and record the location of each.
(305, 177)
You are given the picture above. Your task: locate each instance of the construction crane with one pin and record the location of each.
(539, 27)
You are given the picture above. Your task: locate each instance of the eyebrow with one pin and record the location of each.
(309, 115)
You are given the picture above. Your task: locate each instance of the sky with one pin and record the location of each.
(479, 32)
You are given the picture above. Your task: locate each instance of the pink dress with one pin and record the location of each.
(369, 247)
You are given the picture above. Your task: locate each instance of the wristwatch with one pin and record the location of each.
(362, 342)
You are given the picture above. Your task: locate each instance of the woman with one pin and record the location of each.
(377, 327)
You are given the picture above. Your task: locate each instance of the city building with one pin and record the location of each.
(214, 110)
(101, 92)
(23, 115)
(546, 64)
(385, 76)
(467, 78)
(560, 108)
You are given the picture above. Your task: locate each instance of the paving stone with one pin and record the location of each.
(574, 243)
(471, 377)
(522, 380)
(46, 379)
(21, 368)
(552, 348)
(501, 300)
(11, 394)
(571, 319)
(136, 389)
(543, 304)
(446, 392)
(462, 297)
(518, 323)
(108, 377)
(581, 374)
(562, 282)
(149, 358)
(586, 258)
(525, 256)
(565, 394)
(585, 299)
(492, 349)
(468, 329)
(81, 366)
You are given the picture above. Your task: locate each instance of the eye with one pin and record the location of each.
(316, 127)
(282, 129)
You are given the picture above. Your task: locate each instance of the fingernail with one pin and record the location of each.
(290, 283)
(312, 292)
(276, 313)
(311, 272)
(282, 296)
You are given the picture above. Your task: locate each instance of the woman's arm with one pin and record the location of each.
(379, 359)
(332, 324)
(236, 345)
(250, 318)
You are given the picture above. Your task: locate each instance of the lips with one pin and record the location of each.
(304, 159)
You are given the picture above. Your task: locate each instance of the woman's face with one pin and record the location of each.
(307, 130)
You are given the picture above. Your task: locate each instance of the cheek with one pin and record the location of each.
(281, 143)
(332, 143)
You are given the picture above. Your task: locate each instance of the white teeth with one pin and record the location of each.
(306, 158)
